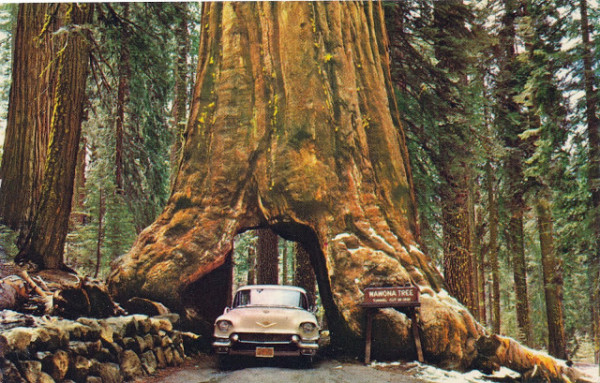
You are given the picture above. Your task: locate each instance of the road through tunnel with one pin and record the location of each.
(206, 299)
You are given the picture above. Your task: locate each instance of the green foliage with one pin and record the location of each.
(150, 32)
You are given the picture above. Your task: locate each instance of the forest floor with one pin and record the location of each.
(203, 369)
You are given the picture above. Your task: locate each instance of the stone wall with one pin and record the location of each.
(87, 350)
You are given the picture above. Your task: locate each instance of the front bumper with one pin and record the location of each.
(246, 345)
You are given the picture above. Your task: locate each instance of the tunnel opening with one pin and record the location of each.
(207, 298)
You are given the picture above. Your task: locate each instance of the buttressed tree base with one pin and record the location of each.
(294, 127)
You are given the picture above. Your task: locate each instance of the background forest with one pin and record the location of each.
(498, 100)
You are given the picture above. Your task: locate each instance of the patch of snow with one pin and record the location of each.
(341, 236)
(435, 374)
(591, 370)
(413, 248)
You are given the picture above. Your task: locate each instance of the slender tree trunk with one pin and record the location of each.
(77, 214)
(251, 265)
(510, 123)
(45, 241)
(553, 280)
(28, 124)
(100, 237)
(284, 265)
(267, 257)
(593, 136)
(304, 274)
(122, 100)
(493, 248)
(181, 83)
(458, 261)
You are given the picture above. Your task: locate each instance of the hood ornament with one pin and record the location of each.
(266, 324)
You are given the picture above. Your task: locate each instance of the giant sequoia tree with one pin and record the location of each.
(30, 110)
(294, 127)
(45, 239)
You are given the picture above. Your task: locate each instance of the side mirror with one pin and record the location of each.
(227, 309)
(313, 309)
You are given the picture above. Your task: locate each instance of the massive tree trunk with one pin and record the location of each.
(44, 244)
(593, 136)
(303, 138)
(29, 113)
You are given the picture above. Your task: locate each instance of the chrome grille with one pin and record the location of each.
(265, 338)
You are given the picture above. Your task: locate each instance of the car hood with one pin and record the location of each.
(267, 319)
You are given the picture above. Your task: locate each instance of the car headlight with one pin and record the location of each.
(224, 325)
(308, 327)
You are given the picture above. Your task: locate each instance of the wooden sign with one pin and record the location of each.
(402, 298)
(405, 296)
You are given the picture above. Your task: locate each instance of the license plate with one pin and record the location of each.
(265, 352)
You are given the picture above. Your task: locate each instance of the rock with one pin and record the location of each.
(108, 372)
(177, 357)
(149, 362)
(56, 364)
(131, 366)
(149, 341)
(138, 305)
(193, 343)
(114, 349)
(160, 357)
(168, 356)
(79, 368)
(11, 373)
(19, 339)
(32, 371)
(93, 379)
(87, 349)
(104, 355)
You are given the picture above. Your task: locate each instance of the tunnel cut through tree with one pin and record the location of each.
(294, 127)
(302, 137)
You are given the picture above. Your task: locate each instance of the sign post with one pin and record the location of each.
(402, 298)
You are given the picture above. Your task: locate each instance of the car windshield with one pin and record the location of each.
(270, 297)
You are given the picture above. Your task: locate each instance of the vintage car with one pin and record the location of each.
(267, 321)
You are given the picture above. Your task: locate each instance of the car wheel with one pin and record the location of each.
(225, 362)
(306, 362)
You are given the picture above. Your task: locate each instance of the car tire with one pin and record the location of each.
(306, 362)
(225, 362)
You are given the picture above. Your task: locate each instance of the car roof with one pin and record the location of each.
(272, 287)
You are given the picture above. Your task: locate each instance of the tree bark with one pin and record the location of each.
(553, 280)
(593, 136)
(122, 100)
(302, 137)
(45, 241)
(267, 258)
(181, 84)
(100, 233)
(304, 274)
(493, 248)
(29, 113)
(510, 123)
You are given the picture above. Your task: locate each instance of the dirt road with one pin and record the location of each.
(203, 369)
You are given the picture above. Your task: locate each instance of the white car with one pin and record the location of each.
(266, 321)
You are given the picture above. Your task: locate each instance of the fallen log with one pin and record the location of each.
(534, 366)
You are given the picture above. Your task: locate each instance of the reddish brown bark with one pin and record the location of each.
(267, 257)
(29, 113)
(304, 274)
(593, 136)
(44, 244)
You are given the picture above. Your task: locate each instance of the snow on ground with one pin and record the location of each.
(433, 374)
